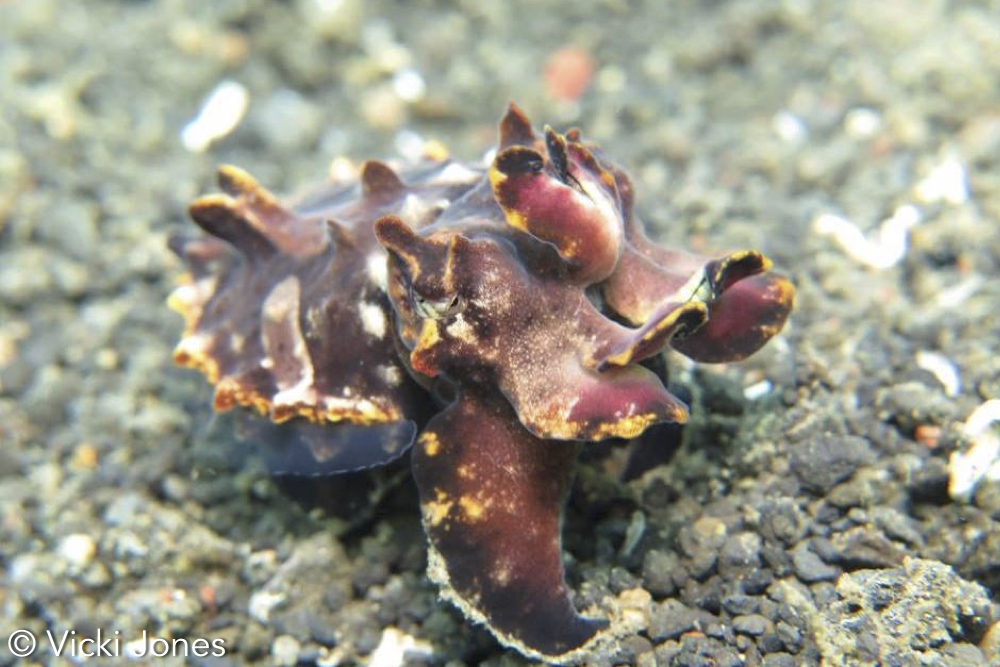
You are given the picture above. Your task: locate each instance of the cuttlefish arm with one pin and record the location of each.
(741, 320)
(492, 498)
(746, 306)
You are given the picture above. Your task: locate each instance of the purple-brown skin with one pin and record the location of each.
(500, 312)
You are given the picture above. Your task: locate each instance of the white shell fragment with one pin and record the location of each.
(946, 182)
(395, 646)
(982, 460)
(862, 122)
(888, 244)
(262, 603)
(757, 390)
(943, 369)
(789, 127)
(219, 115)
(958, 294)
(408, 84)
(78, 549)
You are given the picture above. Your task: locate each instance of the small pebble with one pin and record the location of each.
(752, 624)
(568, 73)
(789, 635)
(809, 568)
(409, 85)
(740, 604)
(862, 122)
(658, 570)
(823, 460)
(781, 660)
(671, 618)
(990, 643)
(789, 127)
(740, 551)
(770, 643)
(285, 650)
(79, 549)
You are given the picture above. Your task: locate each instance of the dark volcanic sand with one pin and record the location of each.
(807, 517)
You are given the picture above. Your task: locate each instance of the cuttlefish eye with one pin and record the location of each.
(436, 309)
(519, 160)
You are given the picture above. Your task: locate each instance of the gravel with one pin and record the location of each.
(804, 518)
(824, 460)
(919, 614)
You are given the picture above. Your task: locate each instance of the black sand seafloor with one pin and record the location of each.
(835, 499)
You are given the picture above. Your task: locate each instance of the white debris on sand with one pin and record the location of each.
(862, 122)
(78, 549)
(982, 460)
(262, 603)
(220, 113)
(959, 293)
(395, 645)
(887, 247)
(409, 85)
(946, 182)
(789, 127)
(943, 369)
(757, 390)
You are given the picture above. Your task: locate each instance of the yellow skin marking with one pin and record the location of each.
(496, 177)
(473, 509)
(570, 248)
(630, 427)
(624, 427)
(622, 358)
(178, 305)
(364, 414)
(199, 362)
(430, 335)
(228, 394)
(430, 442)
(739, 256)
(411, 262)
(783, 292)
(435, 511)
(245, 184)
(514, 218)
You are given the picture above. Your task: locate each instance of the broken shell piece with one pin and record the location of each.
(982, 460)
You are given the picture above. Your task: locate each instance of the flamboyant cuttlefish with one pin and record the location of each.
(496, 316)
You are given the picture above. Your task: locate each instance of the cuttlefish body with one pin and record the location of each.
(490, 319)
